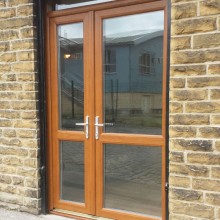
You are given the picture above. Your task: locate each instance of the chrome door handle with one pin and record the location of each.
(97, 125)
(86, 124)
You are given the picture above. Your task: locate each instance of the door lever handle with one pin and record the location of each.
(97, 125)
(86, 124)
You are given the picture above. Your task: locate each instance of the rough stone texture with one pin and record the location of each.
(19, 136)
(195, 110)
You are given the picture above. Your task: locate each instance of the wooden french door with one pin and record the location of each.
(106, 93)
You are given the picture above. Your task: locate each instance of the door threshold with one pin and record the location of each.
(76, 215)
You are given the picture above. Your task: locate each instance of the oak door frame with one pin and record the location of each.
(137, 139)
(48, 77)
(55, 134)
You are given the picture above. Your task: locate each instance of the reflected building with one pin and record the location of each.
(132, 70)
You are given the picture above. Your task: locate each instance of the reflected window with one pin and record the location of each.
(110, 60)
(64, 4)
(146, 63)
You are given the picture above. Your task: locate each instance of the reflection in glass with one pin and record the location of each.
(132, 69)
(71, 77)
(133, 179)
(72, 171)
(64, 4)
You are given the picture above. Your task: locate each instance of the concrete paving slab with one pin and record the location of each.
(14, 215)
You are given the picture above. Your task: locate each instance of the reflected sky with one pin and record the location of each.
(151, 21)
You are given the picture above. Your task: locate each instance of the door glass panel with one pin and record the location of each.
(64, 4)
(132, 177)
(72, 171)
(71, 76)
(132, 73)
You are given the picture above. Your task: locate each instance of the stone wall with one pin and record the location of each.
(19, 135)
(195, 110)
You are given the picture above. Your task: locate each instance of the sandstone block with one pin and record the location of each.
(25, 10)
(26, 133)
(188, 95)
(5, 179)
(214, 69)
(27, 96)
(29, 32)
(209, 7)
(9, 133)
(194, 210)
(22, 44)
(32, 183)
(24, 67)
(16, 23)
(187, 70)
(176, 107)
(195, 25)
(9, 35)
(203, 107)
(186, 119)
(206, 184)
(212, 199)
(31, 203)
(26, 56)
(5, 123)
(215, 94)
(177, 157)
(189, 170)
(206, 40)
(177, 83)
(7, 13)
(18, 180)
(26, 77)
(191, 145)
(8, 95)
(216, 172)
(9, 198)
(18, 2)
(184, 11)
(26, 124)
(24, 105)
(186, 195)
(199, 158)
(29, 115)
(27, 172)
(184, 132)
(198, 82)
(177, 181)
(209, 132)
(8, 114)
(4, 68)
(12, 161)
(4, 47)
(195, 56)
(8, 57)
(217, 145)
(180, 43)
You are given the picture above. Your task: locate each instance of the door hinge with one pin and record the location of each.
(166, 186)
(42, 170)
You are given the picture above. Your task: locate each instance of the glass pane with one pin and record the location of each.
(133, 179)
(132, 70)
(72, 171)
(71, 77)
(64, 4)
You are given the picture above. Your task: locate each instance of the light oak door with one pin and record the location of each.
(107, 112)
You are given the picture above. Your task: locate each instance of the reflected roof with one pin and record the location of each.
(124, 38)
